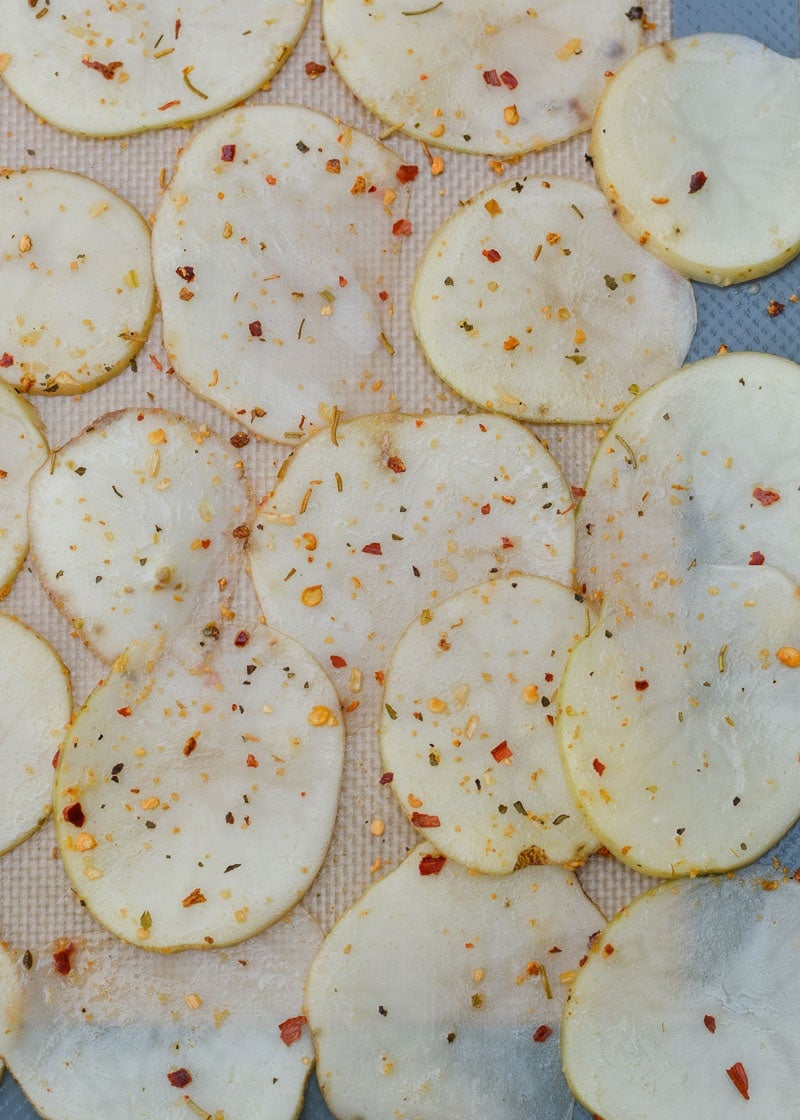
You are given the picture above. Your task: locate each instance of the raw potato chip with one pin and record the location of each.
(276, 252)
(530, 301)
(690, 1003)
(76, 284)
(467, 729)
(37, 704)
(678, 726)
(196, 792)
(95, 1028)
(115, 69)
(23, 449)
(698, 157)
(365, 534)
(671, 485)
(498, 79)
(439, 994)
(133, 520)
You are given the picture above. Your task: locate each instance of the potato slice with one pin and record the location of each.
(37, 705)
(23, 449)
(276, 251)
(467, 731)
(698, 157)
(530, 301)
(365, 534)
(94, 1028)
(671, 485)
(76, 284)
(115, 69)
(439, 994)
(678, 726)
(133, 520)
(500, 78)
(690, 1003)
(196, 792)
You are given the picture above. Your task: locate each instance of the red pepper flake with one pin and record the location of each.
(252, 761)
(507, 542)
(641, 686)
(241, 639)
(492, 255)
(107, 69)
(314, 69)
(407, 172)
(74, 814)
(386, 778)
(62, 960)
(431, 865)
(342, 282)
(396, 464)
(697, 182)
(766, 497)
(491, 78)
(194, 898)
(774, 309)
(334, 166)
(373, 549)
(228, 153)
(402, 227)
(486, 509)
(738, 1076)
(338, 662)
(542, 1033)
(756, 559)
(240, 439)
(501, 752)
(598, 766)
(578, 491)
(6, 360)
(55, 758)
(508, 80)
(126, 711)
(425, 820)
(169, 105)
(255, 328)
(292, 1029)
(177, 28)
(710, 1023)
(383, 296)
(180, 1078)
(186, 272)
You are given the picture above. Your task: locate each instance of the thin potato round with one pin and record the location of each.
(671, 485)
(115, 69)
(365, 534)
(23, 449)
(94, 1028)
(439, 994)
(37, 705)
(696, 148)
(196, 793)
(530, 301)
(499, 79)
(467, 729)
(133, 520)
(276, 251)
(76, 284)
(690, 1004)
(678, 726)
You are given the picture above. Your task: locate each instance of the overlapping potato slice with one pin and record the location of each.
(196, 793)
(132, 520)
(37, 704)
(276, 253)
(467, 729)
(439, 993)
(698, 157)
(678, 725)
(366, 533)
(530, 301)
(23, 449)
(113, 69)
(94, 1028)
(699, 468)
(76, 284)
(496, 78)
(689, 1005)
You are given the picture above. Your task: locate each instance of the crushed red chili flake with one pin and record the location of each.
(386, 778)
(697, 182)
(738, 1076)
(255, 328)
(373, 549)
(774, 309)
(62, 960)
(766, 497)
(598, 766)
(241, 639)
(756, 559)
(542, 1033)
(396, 464)
(508, 80)
(578, 491)
(126, 711)
(338, 662)
(710, 1023)
(55, 758)
(292, 1029)
(492, 78)
(252, 761)
(486, 509)
(501, 752)
(228, 153)
(179, 1078)
(107, 69)
(407, 172)
(507, 542)
(641, 686)
(194, 898)
(383, 296)
(241, 532)
(425, 820)
(186, 272)
(402, 227)
(314, 69)
(240, 439)
(431, 865)
(492, 255)
(6, 360)
(74, 814)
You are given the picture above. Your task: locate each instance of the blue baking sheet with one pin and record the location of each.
(736, 317)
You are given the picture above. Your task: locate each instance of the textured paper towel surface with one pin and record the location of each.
(35, 900)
